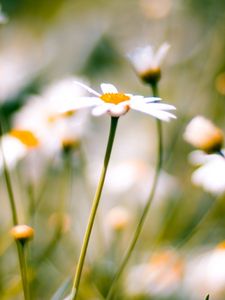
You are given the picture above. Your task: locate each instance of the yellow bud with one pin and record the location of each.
(22, 232)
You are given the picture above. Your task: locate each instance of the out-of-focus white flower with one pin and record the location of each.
(41, 116)
(203, 134)
(206, 275)
(55, 131)
(134, 177)
(211, 173)
(160, 276)
(117, 104)
(147, 63)
(118, 218)
(3, 18)
(15, 146)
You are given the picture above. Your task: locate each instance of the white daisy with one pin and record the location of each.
(146, 61)
(211, 173)
(116, 104)
(40, 115)
(203, 134)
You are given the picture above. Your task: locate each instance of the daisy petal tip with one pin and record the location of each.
(108, 88)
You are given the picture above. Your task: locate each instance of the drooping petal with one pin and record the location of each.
(163, 106)
(90, 90)
(108, 88)
(149, 109)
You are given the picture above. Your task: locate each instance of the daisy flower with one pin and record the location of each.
(203, 134)
(147, 63)
(211, 173)
(40, 115)
(116, 104)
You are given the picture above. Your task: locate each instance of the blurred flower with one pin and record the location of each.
(3, 18)
(15, 145)
(206, 274)
(118, 218)
(54, 131)
(134, 177)
(22, 232)
(147, 63)
(41, 115)
(156, 9)
(117, 104)
(203, 134)
(160, 276)
(211, 173)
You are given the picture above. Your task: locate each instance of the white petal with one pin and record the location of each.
(142, 58)
(13, 150)
(108, 88)
(160, 54)
(90, 90)
(100, 110)
(149, 109)
(78, 103)
(163, 106)
(211, 176)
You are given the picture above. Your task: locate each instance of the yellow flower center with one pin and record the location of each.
(66, 114)
(26, 137)
(114, 98)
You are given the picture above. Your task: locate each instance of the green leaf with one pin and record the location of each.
(207, 297)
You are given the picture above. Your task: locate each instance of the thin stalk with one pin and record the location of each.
(9, 189)
(14, 219)
(145, 210)
(95, 204)
(21, 249)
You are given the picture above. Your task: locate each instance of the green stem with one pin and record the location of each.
(95, 204)
(23, 268)
(9, 189)
(145, 210)
(14, 219)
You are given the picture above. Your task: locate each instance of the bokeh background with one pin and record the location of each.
(46, 41)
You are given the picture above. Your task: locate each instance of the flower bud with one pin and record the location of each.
(203, 134)
(22, 232)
